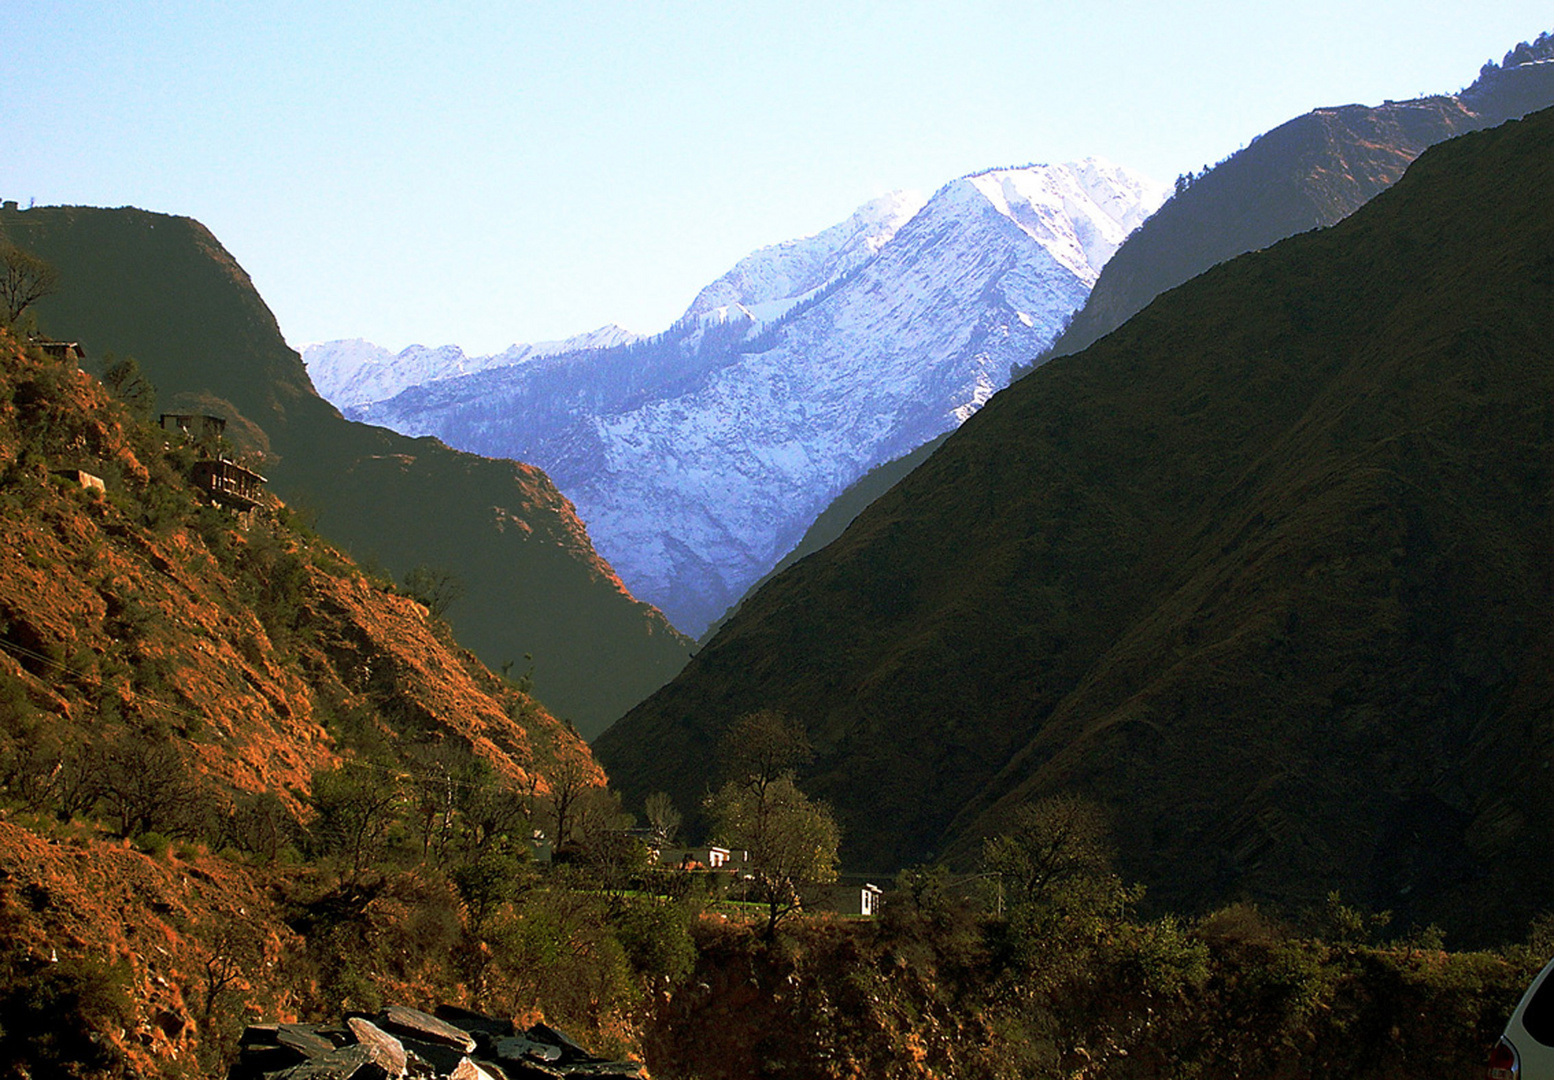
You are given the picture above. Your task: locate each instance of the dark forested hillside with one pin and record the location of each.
(1311, 172)
(163, 289)
(1266, 572)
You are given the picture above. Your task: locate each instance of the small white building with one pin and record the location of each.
(842, 899)
(703, 858)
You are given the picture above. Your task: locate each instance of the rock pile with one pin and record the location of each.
(406, 1044)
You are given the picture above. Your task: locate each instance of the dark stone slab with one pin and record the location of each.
(469, 1070)
(493, 1070)
(532, 1070)
(477, 1024)
(307, 1038)
(523, 1048)
(604, 1070)
(259, 1035)
(254, 1062)
(443, 1058)
(346, 1063)
(418, 1068)
(570, 1050)
(425, 1027)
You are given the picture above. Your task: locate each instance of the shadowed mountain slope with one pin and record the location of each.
(1309, 173)
(1266, 572)
(835, 518)
(164, 290)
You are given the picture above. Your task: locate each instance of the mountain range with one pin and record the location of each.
(356, 372)
(1264, 573)
(699, 457)
(536, 595)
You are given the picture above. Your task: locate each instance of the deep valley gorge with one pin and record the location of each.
(1062, 626)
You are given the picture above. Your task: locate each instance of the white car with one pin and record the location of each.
(1526, 1050)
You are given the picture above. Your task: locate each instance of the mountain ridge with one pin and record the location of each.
(700, 478)
(1287, 517)
(1309, 172)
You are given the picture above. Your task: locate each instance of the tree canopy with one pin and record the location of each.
(791, 840)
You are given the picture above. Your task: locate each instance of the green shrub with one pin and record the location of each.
(153, 844)
(656, 938)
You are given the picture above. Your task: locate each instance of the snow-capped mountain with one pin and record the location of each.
(699, 457)
(353, 372)
(769, 282)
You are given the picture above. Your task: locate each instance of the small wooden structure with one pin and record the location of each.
(228, 483)
(59, 350)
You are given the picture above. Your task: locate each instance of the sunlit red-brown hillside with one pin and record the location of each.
(169, 670)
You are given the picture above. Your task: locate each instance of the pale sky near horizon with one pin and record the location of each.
(485, 173)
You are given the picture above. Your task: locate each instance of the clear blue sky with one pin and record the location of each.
(483, 173)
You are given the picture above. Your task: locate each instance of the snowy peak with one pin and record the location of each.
(353, 372)
(700, 456)
(1080, 211)
(773, 279)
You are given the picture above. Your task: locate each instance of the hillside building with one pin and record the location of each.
(62, 351)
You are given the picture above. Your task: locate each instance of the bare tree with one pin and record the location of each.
(24, 280)
(1057, 843)
(662, 817)
(761, 748)
(356, 805)
(791, 840)
(148, 785)
(233, 952)
(570, 777)
(437, 588)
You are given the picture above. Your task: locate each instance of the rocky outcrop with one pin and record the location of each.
(453, 1044)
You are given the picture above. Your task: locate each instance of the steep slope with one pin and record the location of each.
(835, 518)
(164, 290)
(1311, 172)
(168, 671)
(766, 283)
(1266, 572)
(700, 461)
(139, 609)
